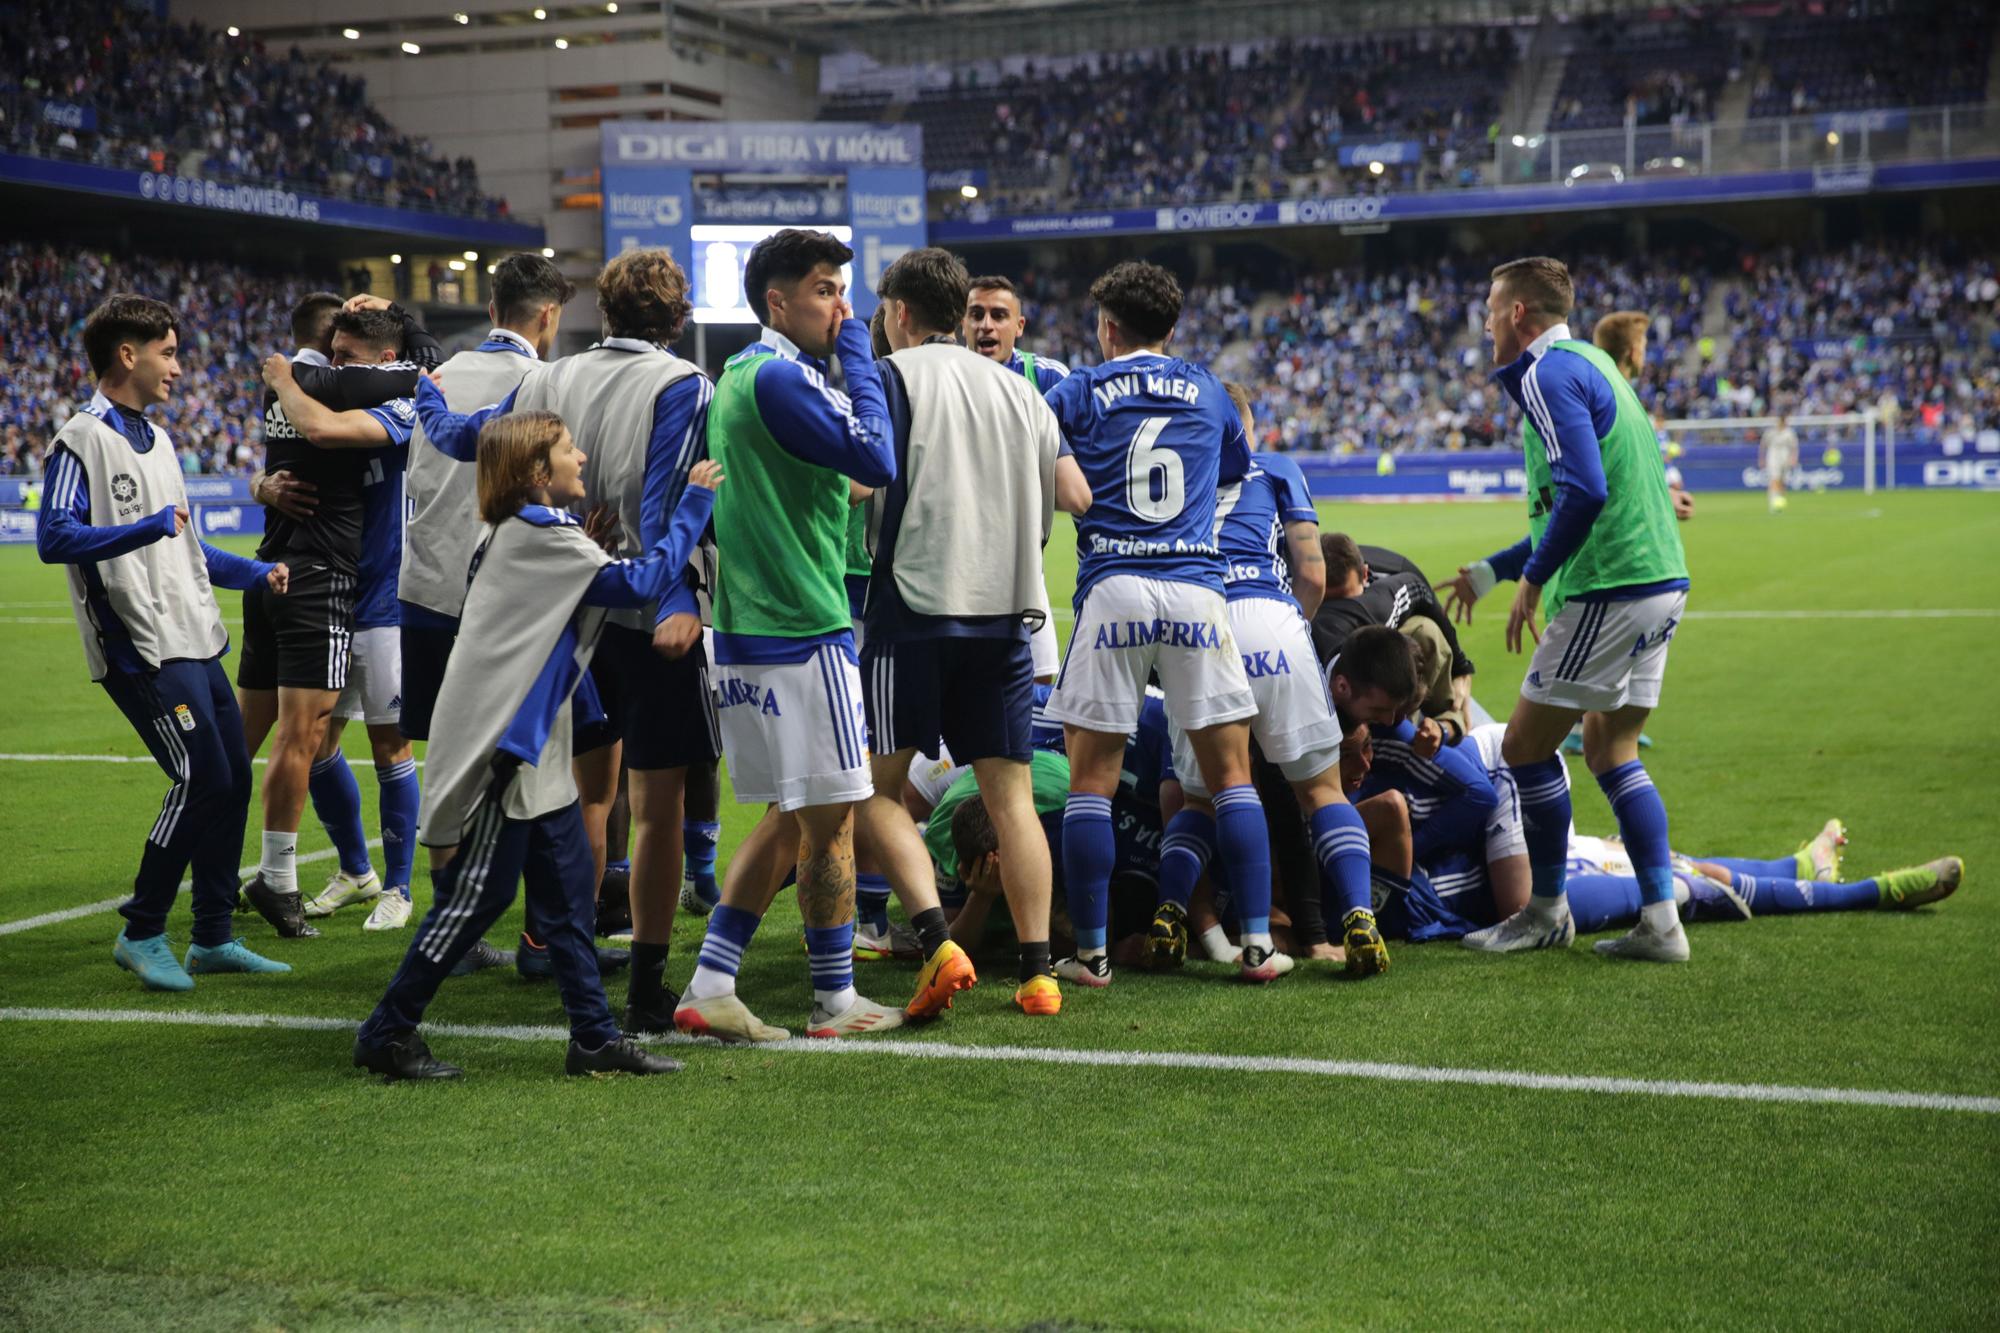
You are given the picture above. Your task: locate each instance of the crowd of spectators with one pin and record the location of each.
(1347, 359)
(110, 83)
(230, 319)
(1358, 361)
(1193, 124)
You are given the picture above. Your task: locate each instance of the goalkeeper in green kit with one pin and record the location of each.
(1605, 555)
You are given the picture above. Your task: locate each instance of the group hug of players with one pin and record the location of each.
(584, 581)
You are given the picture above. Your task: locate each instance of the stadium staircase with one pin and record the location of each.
(1531, 94)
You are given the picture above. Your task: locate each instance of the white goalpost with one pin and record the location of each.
(1864, 432)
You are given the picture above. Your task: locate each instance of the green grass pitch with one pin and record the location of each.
(233, 1177)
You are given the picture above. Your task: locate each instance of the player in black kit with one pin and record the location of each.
(325, 408)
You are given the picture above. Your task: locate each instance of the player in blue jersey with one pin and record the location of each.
(373, 689)
(1155, 437)
(992, 326)
(1604, 545)
(1459, 884)
(1273, 580)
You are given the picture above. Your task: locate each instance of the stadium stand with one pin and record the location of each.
(1919, 54)
(107, 83)
(231, 318)
(1348, 360)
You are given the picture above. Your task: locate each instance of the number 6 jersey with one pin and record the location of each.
(1154, 435)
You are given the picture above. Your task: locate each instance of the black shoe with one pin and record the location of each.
(623, 1056)
(480, 957)
(284, 909)
(652, 1014)
(612, 960)
(408, 1058)
(614, 902)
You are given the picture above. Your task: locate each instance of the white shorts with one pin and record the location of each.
(1597, 656)
(374, 691)
(1131, 627)
(1506, 835)
(1048, 653)
(1780, 461)
(1295, 724)
(793, 732)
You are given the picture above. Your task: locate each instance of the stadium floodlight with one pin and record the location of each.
(969, 190)
(611, 6)
(461, 18)
(1375, 168)
(235, 31)
(351, 34)
(548, 252)
(562, 43)
(412, 49)
(395, 259)
(472, 254)
(456, 266)
(1519, 142)
(541, 14)
(492, 268)
(1833, 138)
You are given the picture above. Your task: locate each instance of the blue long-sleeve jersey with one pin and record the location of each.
(1449, 793)
(622, 583)
(811, 420)
(64, 535)
(678, 441)
(1573, 407)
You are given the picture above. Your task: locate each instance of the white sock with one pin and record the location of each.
(279, 865)
(1215, 940)
(835, 1001)
(1251, 939)
(1544, 908)
(709, 983)
(1662, 917)
(1085, 955)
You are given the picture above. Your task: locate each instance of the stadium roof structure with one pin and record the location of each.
(904, 30)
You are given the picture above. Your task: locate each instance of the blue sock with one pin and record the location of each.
(1785, 869)
(1786, 895)
(698, 840)
(729, 932)
(1642, 822)
(1088, 851)
(400, 798)
(1245, 845)
(830, 950)
(1599, 902)
(1340, 842)
(1544, 790)
(336, 799)
(1184, 854)
(871, 901)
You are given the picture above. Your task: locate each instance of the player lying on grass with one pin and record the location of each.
(964, 844)
(141, 581)
(501, 801)
(1444, 894)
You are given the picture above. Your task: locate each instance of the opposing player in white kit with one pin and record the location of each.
(1155, 436)
(1273, 581)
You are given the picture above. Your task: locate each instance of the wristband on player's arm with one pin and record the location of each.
(1480, 572)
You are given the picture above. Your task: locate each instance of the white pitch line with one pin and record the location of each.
(1243, 1064)
(106, 905)
(1960, 613)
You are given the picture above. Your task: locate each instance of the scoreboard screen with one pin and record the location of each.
(720, 253)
